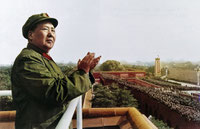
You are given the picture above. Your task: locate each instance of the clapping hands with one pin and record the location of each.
(88, 62)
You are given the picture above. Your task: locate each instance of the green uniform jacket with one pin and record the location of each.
(40, 90)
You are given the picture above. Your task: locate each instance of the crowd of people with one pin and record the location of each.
(186, 107)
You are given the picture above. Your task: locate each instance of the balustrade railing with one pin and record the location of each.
(5, 93)
(66, 119)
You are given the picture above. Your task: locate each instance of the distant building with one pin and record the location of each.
(120, 74)
(157, 67)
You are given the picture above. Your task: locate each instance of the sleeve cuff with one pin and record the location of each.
(91, 77)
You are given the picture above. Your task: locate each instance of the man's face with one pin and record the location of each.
(43, 36)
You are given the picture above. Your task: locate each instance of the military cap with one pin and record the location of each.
(34, 19)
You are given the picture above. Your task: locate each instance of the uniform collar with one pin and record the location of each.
(47, 56)
(35, 48)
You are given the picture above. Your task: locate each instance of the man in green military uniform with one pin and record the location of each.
(39, 88)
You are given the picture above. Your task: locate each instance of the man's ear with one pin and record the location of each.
(30, 35)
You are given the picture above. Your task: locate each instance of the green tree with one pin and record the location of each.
(112, 65)
(5, 82)
(125, 99)
(139, 67)
(6, 103)
(113, 96)
(103, 97)
(123, 96)
(150, 70)
(67, 69)
(159, 123)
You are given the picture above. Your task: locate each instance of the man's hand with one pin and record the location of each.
(88, 62)
(95, 61)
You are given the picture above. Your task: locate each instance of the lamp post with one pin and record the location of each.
(197, 69)
(166, 71)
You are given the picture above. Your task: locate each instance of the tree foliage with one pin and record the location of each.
(112, 65)
(67, 69)
(150, 70)
(6, 103)
(181, 65)
(112, 96)
(159, 123)
(5, 73)
(103, 97)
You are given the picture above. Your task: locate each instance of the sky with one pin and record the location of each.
(122, 30)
